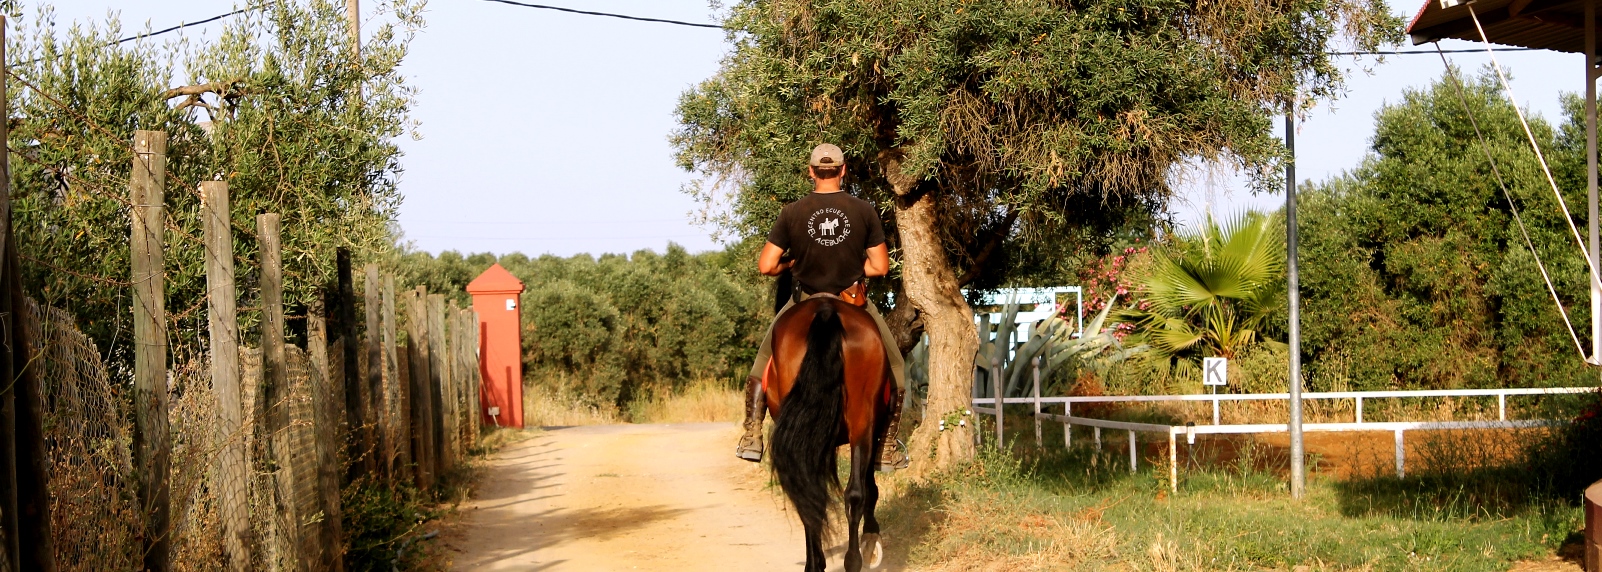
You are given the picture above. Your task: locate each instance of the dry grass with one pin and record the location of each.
(704, 401)
(544, 407)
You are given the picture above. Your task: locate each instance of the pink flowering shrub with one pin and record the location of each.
(1115, 274)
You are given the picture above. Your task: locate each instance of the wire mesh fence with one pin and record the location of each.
(292, 510)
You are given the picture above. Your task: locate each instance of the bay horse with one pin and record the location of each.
(829, 385)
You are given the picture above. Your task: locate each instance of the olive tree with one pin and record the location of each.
(973, 123)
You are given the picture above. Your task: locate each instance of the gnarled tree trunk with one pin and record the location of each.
(931, 285)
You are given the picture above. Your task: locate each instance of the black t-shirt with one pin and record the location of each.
(828, 235)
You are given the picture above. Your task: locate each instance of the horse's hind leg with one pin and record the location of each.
(856, 495)
(872, 550)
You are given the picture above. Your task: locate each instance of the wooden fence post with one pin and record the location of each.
(29, 543)
(222, 316)
(10, 362)
(422, 405)
(358, 414)
(396, 434)
(273, 429)
(375, 368)
(326, 414)
(461, 346)
(440, 376)
(152, 445)
(475, 374)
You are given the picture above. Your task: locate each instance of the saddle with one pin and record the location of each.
(855, 295)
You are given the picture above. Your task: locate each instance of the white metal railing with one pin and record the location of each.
(1191, 430)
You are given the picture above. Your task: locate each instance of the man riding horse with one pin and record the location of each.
(835, 242)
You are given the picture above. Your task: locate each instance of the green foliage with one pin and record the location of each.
(378, 520)
(288, 120)
(1414, 272)
(611, 329)
(1045, 125)
(1083, 510)
(1213, 291)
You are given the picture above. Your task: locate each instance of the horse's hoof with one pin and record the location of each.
(872, 550)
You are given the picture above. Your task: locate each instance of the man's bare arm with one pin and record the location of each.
(878, 262)
(768, 262)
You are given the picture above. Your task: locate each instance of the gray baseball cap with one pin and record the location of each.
(826, 155)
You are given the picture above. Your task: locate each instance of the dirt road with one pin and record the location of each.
(627, 497)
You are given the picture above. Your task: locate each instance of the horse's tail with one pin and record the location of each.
(808, 427)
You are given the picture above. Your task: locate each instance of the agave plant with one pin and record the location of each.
(1053, 342)
(1213, 291)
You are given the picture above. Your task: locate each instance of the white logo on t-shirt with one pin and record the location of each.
(833, 229)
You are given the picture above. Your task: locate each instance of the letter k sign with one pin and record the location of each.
(1215, 371)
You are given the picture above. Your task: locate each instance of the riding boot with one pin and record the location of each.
(894, 454)
(756, 409)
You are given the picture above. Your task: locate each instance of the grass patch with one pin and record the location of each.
(1084, 510)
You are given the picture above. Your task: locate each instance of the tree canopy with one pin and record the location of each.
(979, 122)
(276, 106)
(1415, 273)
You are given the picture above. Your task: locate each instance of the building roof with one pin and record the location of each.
(495, 280)
(1557, 25)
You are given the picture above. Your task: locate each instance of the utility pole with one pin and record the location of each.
(1590, 178)
(1293, 291)
(353, 12)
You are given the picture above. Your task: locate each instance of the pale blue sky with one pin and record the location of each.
(547, 132)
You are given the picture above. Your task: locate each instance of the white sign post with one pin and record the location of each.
(1215, 374)
(1215, 371)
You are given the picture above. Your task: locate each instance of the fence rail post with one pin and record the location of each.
(1132, 454)
(151, 440)
(1034, 367)
(998, 389)
(223, 322)
(1401, 454)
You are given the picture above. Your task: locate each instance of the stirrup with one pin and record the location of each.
(750, 447)
(894, 457)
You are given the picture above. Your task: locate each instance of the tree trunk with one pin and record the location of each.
(931, 286)
(905, 323)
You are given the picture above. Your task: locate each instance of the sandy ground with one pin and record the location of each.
(627, 497)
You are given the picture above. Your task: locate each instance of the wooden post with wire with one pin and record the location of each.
(327, 411)
(358, 413)
(373, 385)
(274, 426)
(223, 320)
(422, 410)
(30, 544)
(152, 445)
(396, 434)
(440, 377)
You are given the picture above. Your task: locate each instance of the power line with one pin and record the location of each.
(185, 25)
(607, 14)
(1423, 52)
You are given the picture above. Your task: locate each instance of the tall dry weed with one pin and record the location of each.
(704, 401)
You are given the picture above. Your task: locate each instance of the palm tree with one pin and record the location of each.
(1211, 292)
